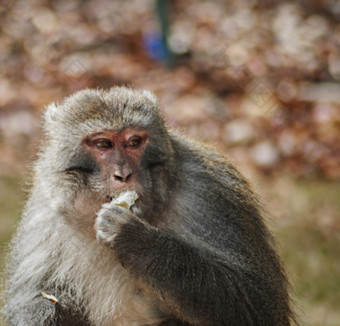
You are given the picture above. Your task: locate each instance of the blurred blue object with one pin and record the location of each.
(155, 45)
(156, 42)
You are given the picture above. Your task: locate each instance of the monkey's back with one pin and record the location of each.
(220, 210)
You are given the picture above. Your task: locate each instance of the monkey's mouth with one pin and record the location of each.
(126, 198)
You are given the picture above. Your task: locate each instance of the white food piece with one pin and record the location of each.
(125, 199)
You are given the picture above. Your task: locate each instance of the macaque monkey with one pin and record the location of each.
(191, 248)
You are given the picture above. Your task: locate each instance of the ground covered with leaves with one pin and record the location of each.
(257, 79)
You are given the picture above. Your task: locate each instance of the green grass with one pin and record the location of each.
(12, 198)
(310, 246)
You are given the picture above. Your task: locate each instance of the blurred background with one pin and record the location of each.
(257, 79)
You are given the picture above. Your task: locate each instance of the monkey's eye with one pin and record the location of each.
(134, 142)
(103, 144)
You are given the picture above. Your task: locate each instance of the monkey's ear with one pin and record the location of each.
(150, 96)
(50, 114)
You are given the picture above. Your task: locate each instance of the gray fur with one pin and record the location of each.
(193, 251)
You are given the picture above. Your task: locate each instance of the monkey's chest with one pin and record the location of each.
(139, 309)
(115, 299)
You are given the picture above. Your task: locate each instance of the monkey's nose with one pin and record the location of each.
(122, 175)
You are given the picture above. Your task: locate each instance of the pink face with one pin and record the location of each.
(118, 156)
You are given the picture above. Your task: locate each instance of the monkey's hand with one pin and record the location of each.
(110, 219)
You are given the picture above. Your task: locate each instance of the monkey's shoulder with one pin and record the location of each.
(210, 174)
(199, 158)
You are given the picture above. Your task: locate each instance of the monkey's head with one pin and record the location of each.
(99, 143)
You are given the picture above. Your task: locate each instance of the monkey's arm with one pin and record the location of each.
(28, 270)
(38, 311)
(41, 311)
(196, 285)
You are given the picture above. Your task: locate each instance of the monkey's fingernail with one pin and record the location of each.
(50, 297)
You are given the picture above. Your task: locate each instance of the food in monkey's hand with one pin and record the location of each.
(125, 199)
